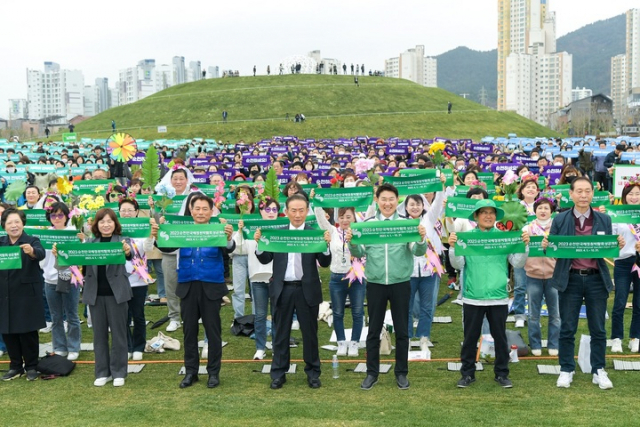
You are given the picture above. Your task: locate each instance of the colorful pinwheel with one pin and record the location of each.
(122, 147)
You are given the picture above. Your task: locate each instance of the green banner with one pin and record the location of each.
(460, 207)
(383, 232)
(69, 137)
(250, 226)
(234, 219)
(37, 168)
(109, 253)
(418, 184)
(36, 218)
(600, 198)
(624, 214)
(176, 203)
(292, 241)
(49, 237)
(10, 257)
(90, 185)
(448, 173)
(583, 246)
(137, 228)
(191, 236)
(357, 197)
(181, 220)
(143, 201)
(474, 243)
(535, 248)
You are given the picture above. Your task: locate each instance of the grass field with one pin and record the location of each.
(152, 397)
(333, 105)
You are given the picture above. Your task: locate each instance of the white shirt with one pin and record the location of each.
(294, 262)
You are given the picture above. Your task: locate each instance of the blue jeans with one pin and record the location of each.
(63, 305)
(240, 276)
(339, 288)
(137, 338)
(592, 290)
(157, 266)
(519, 292)
(624, 277)
(427, 288)
(260, 292)
(536, 289)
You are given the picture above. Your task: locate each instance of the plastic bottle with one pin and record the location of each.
(335, 365)
(514, 354)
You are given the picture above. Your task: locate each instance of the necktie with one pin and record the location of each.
(297, 265)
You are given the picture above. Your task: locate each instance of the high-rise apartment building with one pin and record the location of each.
(413, 65)
(633, 60)
(580, 93)
(533, 79)
(18, 109)
(55, 95)
(619, 88)
(194, 72)
(179, 70)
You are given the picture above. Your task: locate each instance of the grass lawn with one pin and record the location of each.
(333, 105)
(152, 397)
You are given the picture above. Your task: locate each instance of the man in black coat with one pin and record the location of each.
(295, 285)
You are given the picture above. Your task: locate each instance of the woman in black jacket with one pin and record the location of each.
(21, 307)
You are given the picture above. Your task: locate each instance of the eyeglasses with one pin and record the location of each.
(271, 210)
(57, 216)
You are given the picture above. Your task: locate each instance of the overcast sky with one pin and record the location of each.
(101, 38)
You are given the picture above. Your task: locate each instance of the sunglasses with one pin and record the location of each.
(271, 210)
(57, 216)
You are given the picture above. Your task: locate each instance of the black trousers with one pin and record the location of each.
(601, 177)
(23, 349)
(497, 317)
(292, 298)
(398, 295)
(193, 306)
(137, 338)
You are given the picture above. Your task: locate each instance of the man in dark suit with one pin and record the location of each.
(201, 288)
(581, 279)
(295, 285)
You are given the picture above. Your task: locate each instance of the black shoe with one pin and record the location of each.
(369, 382)
(214, 381)
(466, 381)
(403, 382)
(32, 375)
(278, 382)
(13, 374)
(188, 380)
(504, 382)
(314, 382)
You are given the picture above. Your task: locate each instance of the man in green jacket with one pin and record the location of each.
(485, 293)
(388, 271)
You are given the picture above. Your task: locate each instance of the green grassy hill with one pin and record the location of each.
(333, 106)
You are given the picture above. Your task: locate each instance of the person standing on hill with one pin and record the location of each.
(113, 125)
(268, 70)
(362, 69)
(352, 69)
(355, 80)
(47, 131)
(344, 69)
(224, 115)
(71, 127)
(254, 71)
(449, 105)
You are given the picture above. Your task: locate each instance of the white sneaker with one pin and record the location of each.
(553, 352)
(565, 379)
(129, 356)
(1, 353)
(118, 382)
(634, 345)
(295, 325)
(99, 382)
(259, 355)
(342, 348)
(520, 323)
(137, 355)
(536, 352)
(73, 355)
(457, 301)
(616, 345)
(205, 351)
(353, 349)
(46, 329)
(602, 379)
(173, 326)
(62, 353)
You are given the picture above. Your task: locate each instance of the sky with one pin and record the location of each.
(102, 38)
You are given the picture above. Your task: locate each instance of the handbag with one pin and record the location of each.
(385, 342)
(56, 365)
(243, 325)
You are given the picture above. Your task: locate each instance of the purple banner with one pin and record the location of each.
(552, 170)
(481, 148)
(397, 150)
(256, 160)
(503, 167)
(279, 149)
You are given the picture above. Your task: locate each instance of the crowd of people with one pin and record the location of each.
(192, 281)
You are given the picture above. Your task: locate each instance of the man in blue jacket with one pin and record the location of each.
(582, 279)
(201, 288)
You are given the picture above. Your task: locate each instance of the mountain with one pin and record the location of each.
(463, 70)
